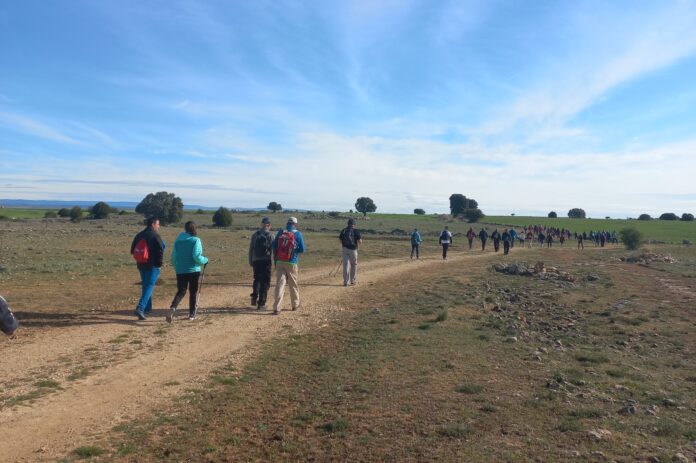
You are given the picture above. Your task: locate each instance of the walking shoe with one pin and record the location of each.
(276, 312)
(297, 307)
(352, 283)
(345, 283)
(192, 317)
(262, 307)
(140, 315)
(170, 315)
(253, 300)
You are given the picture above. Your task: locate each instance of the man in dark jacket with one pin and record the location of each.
(507, 241)
(483, 236)
(495, 236)
(350, 239)
(261, 260)
(148, 250)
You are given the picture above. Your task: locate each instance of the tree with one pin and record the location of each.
(669, 216)
(461, 205)
(553, 215)
(473, 215)
(686, 217)
(419, 211)
(167, 207)
(76, 214)
(50, 215)
(631, 238)
(64, 212)
(644, 217)
(274, 207)
(576, 213)
(101, 210)
(365, 205)
(222, 217)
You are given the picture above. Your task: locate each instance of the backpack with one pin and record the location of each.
(263, 245)
(8, 322)
(348, 238)
(286, 246)
(444, 236)
(141, 252)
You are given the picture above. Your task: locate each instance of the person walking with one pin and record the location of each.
(483, 236)
(350, 239)
(148, 251)
(507, 241)
(8, 322)
(513, 236)
(495, 236)
(549, 239)
(415, 243)
(470, 235)
(445, 241)
(261, 261)
(187, 258)
(287, 245)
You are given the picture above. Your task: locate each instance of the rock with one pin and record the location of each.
(628, 410)
(598, 454)
(591, 277)
(599, 434)
(575, 454)
(511, 339)
(669, 403)
(653, 459)
(680, 457)
(686, 242)
(652, 410)
(375, 311)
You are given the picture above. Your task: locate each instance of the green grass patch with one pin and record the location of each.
(88, 451)
(469, 388)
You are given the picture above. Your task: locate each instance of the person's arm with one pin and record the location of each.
(299, 241)
(198, 256)
(358, 237)
(251, 248)
(158, 254)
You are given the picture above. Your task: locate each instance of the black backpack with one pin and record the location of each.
(348, 238)
(263, 245)
(8, 322)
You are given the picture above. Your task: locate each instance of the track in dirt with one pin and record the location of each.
(126, 368)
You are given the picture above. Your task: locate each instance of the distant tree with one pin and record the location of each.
(458, 203)
(222, 217)
(167, 207)
(644, 217)
(419, 211)
(686, 217)
(64, 212)
(101, 210)
(467, 207)
(50, 215)
(512, 214)
(122, 212)
(274, 207)
(365, 205)
(631, 238)
(76, 214)
(473, 215)
(669, 216)
(553, 215)
(200, 211)
(576, 213)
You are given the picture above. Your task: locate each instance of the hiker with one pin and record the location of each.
(445, 241)
(8, 322)
(470, 235)
(415, 243)
(483, 236)
(187, 258)
(507, 241)
(562, 238)
(148, 251)
(581, 245)
(495, 236)
(549, 240)
(542, 239)
(287, 245)
(261, 260)
(350, 239)
(513, 235)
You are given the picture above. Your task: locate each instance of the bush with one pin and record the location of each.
(473, 215)
(553, 215)
(200, 211)
(76, 214)
(274, 206)
(644, 217)
(50, 215)
(222, 217)
(101, 210)
(64, 212)
(669, 216)
(419, 211)
(365, 205)
(631, 238)
(576, 213)
(687, 217)
(167, 207)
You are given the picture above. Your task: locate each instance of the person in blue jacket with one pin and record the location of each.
(415, 243)
(187, 258)
(287, 246)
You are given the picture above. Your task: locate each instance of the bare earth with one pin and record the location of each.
(112, 369)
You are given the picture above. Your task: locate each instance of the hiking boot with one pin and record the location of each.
(253, 300)
(276, 312)
(192, 317)
(297, 307)
(345, 283)
(140, 315)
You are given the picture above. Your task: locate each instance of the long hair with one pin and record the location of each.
(190, 228)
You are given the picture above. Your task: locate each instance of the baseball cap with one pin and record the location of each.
(265, 221)
(292, 220)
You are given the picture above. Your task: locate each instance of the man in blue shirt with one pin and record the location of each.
(287, 246)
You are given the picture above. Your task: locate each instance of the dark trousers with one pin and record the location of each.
(414, 249)
(506, 246)
(445, 247)
(471, 242)
(496, 244)
(184, 281)
(483, 245)
(262, 280)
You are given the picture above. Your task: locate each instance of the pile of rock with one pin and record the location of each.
(648, 258)
(539, 270)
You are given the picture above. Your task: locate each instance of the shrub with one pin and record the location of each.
(576, 213)
(473, 215)
(222, 217)
(200, 211)
(101, 210)
(274, 206)
(64, 212)
(669, 216)
(644, 217)
(419, 211)
(553, 215)
(686, 217)
(167, 207)
(50, 215)
(631, 238)
(76, 214)
(365, 205)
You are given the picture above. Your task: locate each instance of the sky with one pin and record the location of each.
(525, 106)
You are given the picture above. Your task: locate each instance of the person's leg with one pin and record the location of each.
(353, 265)
(148, 278)
(444, 250)
(256, 283)
(413, 250)
(418, 251)
(345, 256)
(293, 285)
(193, 279)
(280, 287)
(181, 284)
(265, 268)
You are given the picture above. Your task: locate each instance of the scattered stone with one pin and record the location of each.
(591, 277)
(598, 454)
(628, 410)
(686, 242)
(511, 339)
(599, 434)
(653, 459)
(652, 410)
(575, 454)
(376, 311)
(648, 258)
(680, 457)
(669, 403)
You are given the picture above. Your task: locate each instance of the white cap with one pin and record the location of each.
(292, 220)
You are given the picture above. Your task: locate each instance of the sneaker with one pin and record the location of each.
(261, 307)
(253, 300)
(170, 315)
(276, 312)
(352, 283)
(345, 283)
(296, 308)
(192, 317)
(140, 315)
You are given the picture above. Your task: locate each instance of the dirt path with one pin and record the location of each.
(106, 368)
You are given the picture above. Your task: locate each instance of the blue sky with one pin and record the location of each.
(526, 106)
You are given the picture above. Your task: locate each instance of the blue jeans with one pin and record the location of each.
(148, 278)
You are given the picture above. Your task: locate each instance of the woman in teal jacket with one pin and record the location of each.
(187, 258)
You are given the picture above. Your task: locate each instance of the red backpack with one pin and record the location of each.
(141, 253)
(286, 246)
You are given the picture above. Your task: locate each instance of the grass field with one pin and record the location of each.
(12, 213)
